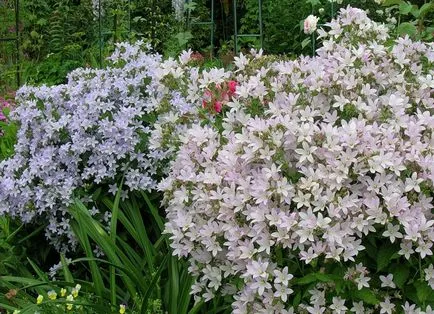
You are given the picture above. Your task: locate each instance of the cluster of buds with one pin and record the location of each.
(215, 98)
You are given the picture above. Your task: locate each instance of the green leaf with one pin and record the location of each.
(42, 22)
(297, 300)
(389, 3)
(313, 277)
(138, 19)
(184, 38)
(415, 11)
(313, 2)
(197, 307)
(366, 296)
(405, 8)
(400, 275)
(406, 28)
(173, 284)
(154, 211)
(66, 272)
(190, 6)
(324, 277)
(309, 278)
(153, 282)
(425, 9)
(115, 255)
(305, 42)
(384, 256)
(113, 233)
(95, 271)
(423, 291)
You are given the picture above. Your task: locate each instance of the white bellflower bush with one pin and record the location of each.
(321, 166)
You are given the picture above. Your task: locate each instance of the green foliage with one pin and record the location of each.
(153, 21)
(136, 267)
(414, 19)
(8, 132)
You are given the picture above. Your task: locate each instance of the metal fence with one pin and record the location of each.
(105, 27)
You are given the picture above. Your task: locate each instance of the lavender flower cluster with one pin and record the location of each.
(314, 155)
(102, 125)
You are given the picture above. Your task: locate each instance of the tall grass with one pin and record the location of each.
(136, 267)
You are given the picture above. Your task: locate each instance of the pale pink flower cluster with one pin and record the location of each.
(342, 149)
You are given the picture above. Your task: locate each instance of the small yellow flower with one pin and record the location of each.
(39, 299)
(52, 295)
(69, 305)
(16, 312)
(62, 292)
(122, 309)
(75, 290)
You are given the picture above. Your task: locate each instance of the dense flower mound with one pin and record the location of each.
(103, 125)
(315, 160)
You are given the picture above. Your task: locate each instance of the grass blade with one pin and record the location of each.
(94, 269)
(154, 280)
(113, 229)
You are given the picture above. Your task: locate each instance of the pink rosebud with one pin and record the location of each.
(310, 24)
(232, 87)
(218, 106)
(225, 96)
(207, 94)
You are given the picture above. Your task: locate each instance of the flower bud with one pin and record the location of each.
(310, 24)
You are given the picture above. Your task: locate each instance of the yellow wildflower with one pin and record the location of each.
(76, 290)
(122, 309)
(62, 292)
(52, 295)
(39, 299)
(69, 305)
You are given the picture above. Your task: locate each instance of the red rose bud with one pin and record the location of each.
(218, 106)
(207, 94)
(225, 96)
(232, 87)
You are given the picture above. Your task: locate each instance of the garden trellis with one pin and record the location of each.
(211, 23)
(115, 27)
(237, 36)
(115, 31)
